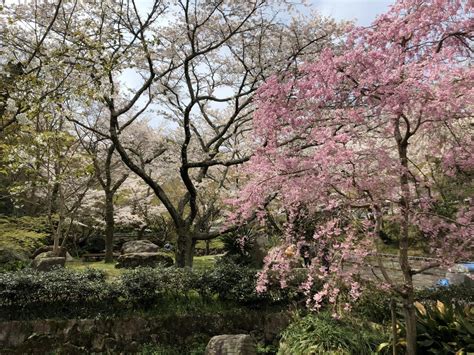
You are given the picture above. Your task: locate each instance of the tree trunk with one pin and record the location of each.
(109, 227)
(185, 250)
(190, 253)
(393, 314)
(59, 229)
(410, 323)
(408, 295)
(180, 254)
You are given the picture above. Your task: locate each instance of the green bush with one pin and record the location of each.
(458, 294)
(60, 292)
(67, 293)
(373, 305)
(321, 334)
(147, 286)
(238, 245)
(233, 282)
(237, 283)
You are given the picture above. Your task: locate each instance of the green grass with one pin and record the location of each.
(214, 244)
(204, 262)
(109, 269)
(200, 263)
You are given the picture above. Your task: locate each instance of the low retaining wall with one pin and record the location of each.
(127, 335)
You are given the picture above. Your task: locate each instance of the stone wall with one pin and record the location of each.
(127, 335)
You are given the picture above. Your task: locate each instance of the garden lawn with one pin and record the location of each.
(200, 263)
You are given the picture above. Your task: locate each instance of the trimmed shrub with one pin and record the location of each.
(233, 282)
(60, 292)
(237, 283)
(147, 286)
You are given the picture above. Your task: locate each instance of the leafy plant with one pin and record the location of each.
(458, 294)
(60, 292)
(233, 282)
(321, 334)
(373, 305)
(146, 286)
(441, 329)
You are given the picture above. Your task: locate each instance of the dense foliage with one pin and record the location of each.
(321, 334)
(19, 237)
(441, 329)
(66, 293)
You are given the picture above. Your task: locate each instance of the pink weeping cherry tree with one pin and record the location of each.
(375, 127)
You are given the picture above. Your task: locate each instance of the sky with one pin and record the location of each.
(362, 11)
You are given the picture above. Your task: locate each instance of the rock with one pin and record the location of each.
(47, 261)
(139, 246)
(9, 256)
(240, 344)
(49, 248)
(47, 254)
(275, 324)
(144, 259)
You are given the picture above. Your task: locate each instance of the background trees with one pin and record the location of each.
(375, 128)
(199, 72)
(194, 66)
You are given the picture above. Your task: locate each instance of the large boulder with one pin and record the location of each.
(240, 344)
(63, 253)
(139, 246)
(48, 261)
(133, 260)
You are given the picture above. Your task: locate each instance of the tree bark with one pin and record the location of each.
(190, 253)
(404, 244)
(185, 250)
(59, 229)
(393, 314)
(109, 227)
(410, 323)
(180, 254)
